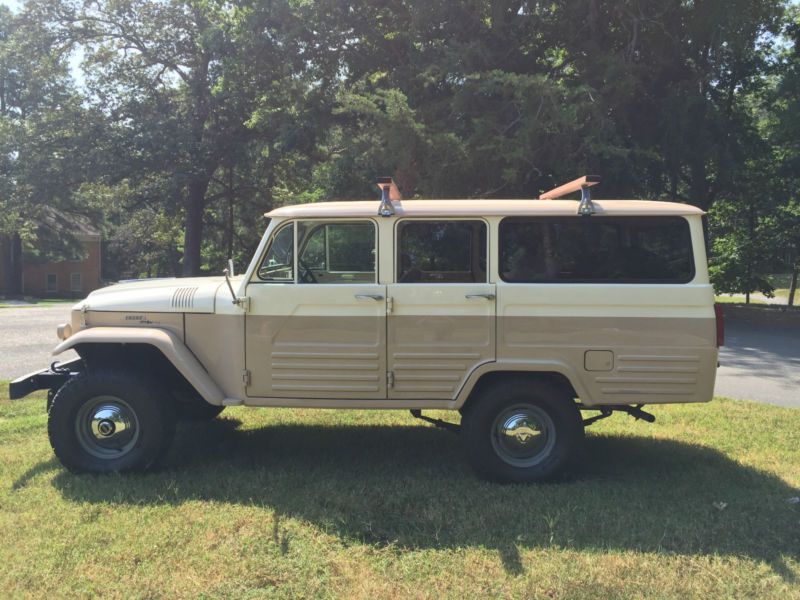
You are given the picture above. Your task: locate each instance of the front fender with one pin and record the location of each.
(167, 342)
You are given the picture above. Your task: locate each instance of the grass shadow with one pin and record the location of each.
(37, 469)
(409, 487)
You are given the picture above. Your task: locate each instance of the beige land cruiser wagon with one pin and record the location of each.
(518, 314)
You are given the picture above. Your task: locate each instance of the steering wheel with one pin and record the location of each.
(307, 276)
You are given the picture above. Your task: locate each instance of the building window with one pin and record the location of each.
(51, 282)
(75, 282)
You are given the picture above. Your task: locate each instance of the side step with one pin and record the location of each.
(417, 414)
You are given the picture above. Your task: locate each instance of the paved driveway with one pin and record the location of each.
(28, 336)
(758, 363)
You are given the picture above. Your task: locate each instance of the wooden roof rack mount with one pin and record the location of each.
(389, 194)
(585, 207)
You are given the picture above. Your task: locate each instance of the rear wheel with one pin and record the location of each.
(520, 431)
(106, 421)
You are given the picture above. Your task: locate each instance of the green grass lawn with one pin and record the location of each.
(284, 504)
(781, 281)
(736, 299)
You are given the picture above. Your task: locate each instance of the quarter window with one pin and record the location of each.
(278, 263)
(441, 252)
(596, 250)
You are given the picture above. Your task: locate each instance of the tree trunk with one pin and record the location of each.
(193, 237)
(747, 297)
(174, 256)
(793, 285)
(11, 251)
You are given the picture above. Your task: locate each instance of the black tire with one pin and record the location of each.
(197, 411)
(519, 408)
(106, 421)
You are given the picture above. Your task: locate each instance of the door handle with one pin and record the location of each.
(375, 297)
(484, 296)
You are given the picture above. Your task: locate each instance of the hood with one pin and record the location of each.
(189, 295)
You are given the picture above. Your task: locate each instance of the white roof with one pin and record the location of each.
(482, 208)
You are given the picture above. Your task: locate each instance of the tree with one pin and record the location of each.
(187, 76)
(40, 141)
(508, 97)
(785, 135)
(743, 250)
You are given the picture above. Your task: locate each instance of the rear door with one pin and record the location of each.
(441, 319)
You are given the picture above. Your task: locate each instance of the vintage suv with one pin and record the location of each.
(518, 314)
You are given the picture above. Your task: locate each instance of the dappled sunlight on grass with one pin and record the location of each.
(331, 503)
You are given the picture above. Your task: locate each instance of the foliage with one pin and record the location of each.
(197, 116)
(41, 147)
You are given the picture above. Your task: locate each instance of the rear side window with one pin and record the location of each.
(596, 250)
(441, 252)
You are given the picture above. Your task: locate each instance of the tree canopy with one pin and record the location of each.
(190, 119)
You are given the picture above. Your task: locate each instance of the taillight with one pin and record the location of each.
(720, 318)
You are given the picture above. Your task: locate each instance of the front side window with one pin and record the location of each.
(596, 250)
(278, 263)
(441, 252)
(336, 252)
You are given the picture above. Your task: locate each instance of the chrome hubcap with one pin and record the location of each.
(523, 435)
(107, 427)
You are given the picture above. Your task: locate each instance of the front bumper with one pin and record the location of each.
(46, 379)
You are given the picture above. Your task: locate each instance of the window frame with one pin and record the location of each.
(47, 277)
(72, 286)
(263, 257)
(396, 249)
(673, 218)
(293, 223)
(341, 221)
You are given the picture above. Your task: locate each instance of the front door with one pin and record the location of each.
(442, 319)
(316, 327)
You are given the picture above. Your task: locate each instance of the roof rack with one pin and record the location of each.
(389, 194)
(585, 208)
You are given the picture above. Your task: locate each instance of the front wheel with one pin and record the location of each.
(108, 421)
(519, 431)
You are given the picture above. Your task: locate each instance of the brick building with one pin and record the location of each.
(65, 278)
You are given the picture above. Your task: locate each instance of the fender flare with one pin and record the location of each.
(167, 342)
(523, 366)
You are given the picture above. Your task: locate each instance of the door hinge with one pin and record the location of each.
(243, 303)
(246, 377)
(390, 379)
(389, 304)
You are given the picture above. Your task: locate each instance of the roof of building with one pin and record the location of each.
(482, 208)
(59, 222)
